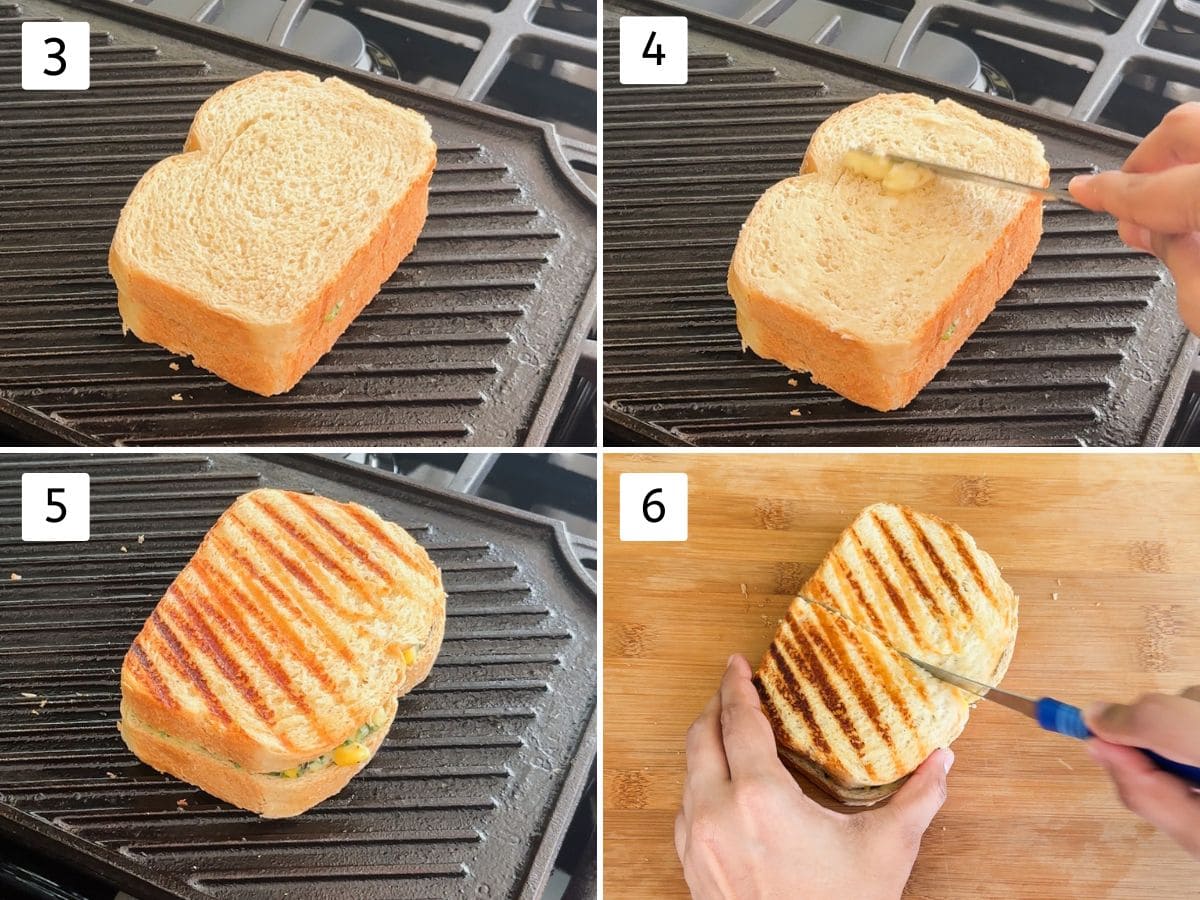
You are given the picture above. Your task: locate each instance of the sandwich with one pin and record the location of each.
(848, 710)
(293, 200)
(871, 280)
(269, 672)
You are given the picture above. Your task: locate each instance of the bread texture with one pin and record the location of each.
(873, 293)
(255, 248)
(271, 796)
(296, 622)
(847, 709)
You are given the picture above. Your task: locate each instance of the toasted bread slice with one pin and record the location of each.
(271, 795)
(298, 620)
(872, 292)
(849, 710)
(254, 249)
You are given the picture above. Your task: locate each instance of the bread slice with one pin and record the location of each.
(848, 710)
(255, 248)
(272, 796)
(292, 630)
(872, 292)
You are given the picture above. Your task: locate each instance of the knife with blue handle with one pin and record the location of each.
(1051, 714)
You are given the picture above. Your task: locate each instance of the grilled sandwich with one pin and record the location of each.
(847, 709)
(269, 672)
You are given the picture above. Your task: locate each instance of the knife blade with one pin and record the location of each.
(1050, 714)
(1016, 702)
(979, 178)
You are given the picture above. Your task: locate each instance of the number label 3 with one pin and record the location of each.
(55, 506)
(654, 506)
(654, 49)
(56, 56)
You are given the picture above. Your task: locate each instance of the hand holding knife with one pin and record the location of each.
(1050, 714)
(976, 177)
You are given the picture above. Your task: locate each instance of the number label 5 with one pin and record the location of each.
(654, 506)
(654, 49)
(55, 506)
(56, 56)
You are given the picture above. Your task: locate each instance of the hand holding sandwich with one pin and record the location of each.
(1156, 199)
(1167, 725)
(743, 814)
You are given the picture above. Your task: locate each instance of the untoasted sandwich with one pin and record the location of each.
(847, 709)
(870, 291)
(269, 672)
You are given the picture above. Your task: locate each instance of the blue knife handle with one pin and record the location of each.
(1063, 718)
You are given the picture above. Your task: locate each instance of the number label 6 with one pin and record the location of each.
(654, 506)
(648, 506)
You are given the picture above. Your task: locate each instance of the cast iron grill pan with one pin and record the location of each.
(1085, 349)
(472, 340)
(471, 792)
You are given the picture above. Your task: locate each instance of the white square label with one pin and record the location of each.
(56, 506)
(56, 56)
(654, 49)
(654, 506)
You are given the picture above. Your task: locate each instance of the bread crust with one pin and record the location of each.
(885, 377)
(265, 358)
(233, 348)
(849, 796)
(271, 796)
(427, 655)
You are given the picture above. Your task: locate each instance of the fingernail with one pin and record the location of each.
(1096, 711)
(1095, 750)
(947, 759)
(729, 662)
(1079, 182)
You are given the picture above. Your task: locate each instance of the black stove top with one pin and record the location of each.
(533, 57)
(1120, 63)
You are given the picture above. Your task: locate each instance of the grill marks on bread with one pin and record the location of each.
(825, 688)
(834, 687)
(285, 625)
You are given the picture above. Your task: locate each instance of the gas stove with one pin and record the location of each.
(534, 57)
(1119, 63)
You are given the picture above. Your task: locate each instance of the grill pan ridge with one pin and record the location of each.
(1085, 349)
(471, 793)
(472, 341)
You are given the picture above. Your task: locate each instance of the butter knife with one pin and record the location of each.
(980, 178)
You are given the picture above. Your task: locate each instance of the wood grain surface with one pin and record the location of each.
(1104, 551)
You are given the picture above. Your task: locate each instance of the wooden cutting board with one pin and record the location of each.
(1104, 551)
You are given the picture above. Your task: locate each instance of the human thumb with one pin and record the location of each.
(918, 801)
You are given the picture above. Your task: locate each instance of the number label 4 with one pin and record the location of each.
(658, 56)
(654, 49)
